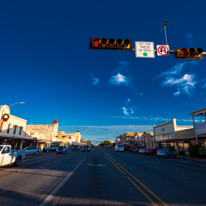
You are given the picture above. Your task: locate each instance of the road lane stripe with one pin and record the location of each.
(54, 192)
(139, 182)
(152, 202)
(147, 197)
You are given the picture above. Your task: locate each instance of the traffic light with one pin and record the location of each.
(111, 44)
(191, 53)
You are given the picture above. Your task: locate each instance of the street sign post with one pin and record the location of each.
(144, 49)
(163, 50)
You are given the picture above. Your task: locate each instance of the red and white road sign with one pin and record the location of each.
(163, 50)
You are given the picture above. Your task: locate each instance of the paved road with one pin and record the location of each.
(102, 177)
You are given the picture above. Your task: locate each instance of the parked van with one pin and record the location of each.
(119, 148)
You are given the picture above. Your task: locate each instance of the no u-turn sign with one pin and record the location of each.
(163, 50)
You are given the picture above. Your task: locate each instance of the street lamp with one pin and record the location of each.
(17, 103)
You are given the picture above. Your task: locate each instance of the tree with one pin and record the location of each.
(106, 142)
(89, 143)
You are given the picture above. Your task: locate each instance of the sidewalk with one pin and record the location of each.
(187, 157)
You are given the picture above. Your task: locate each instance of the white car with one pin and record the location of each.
(8, 156)
(119, 148)
(32, 150)
(142, 150)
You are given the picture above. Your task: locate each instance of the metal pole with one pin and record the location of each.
(165, 35)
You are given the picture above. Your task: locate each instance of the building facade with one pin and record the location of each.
(147, 139)
(69, 138)
(12, 130)
(200, 126)
(169, 135)
(43, 135)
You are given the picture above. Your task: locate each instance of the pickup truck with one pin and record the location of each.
(8, 156)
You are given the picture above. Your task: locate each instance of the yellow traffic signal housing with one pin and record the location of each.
(111, 44)
(185, 53)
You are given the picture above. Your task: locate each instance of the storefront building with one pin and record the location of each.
(147, 139)
(199, 124)
(43, 135)
(12, 130)
(69, 138)
(169, 135)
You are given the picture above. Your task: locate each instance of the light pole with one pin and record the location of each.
(17, 103)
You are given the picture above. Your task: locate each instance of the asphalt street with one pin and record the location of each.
(102, 177)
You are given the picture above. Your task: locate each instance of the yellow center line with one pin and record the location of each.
(152, 202)
(152, 193)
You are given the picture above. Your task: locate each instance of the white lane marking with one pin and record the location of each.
(54, 192)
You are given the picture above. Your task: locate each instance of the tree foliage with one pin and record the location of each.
(106, 142)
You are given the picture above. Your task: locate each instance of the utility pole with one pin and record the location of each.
(164, 28)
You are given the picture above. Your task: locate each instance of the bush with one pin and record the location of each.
(181, 152)
(194, 150)
(202, 151)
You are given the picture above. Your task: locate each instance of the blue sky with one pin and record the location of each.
(46, 62)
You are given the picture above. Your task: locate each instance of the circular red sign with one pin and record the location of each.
(163, 50)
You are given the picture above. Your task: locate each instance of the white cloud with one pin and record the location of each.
(128, 100)
(94, 80)
(185, 83)
(176, 93)
(174, 70)
(125, 110)
(118, 79)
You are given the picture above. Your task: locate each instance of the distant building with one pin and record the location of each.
(43, 135)
(69, 138)
(147, 139)
(129, 138)
(12, 130)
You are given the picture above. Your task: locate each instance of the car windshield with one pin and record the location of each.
(1, 148)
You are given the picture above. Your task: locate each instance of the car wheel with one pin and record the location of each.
(36, 153)
(18, 161)
(158, 156)
(169, 156)
(175, 156)
(47, 150)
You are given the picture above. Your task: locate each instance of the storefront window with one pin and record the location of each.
(170, 135)
(181, 146)
(161, 137)
(156, 137)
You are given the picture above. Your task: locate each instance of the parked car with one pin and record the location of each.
(52, 148)
(150, 151)
(119, 148)
(139, 147)
(62, 150)
(142, 150)
(75, 148)
(70, 148)
(86, 148)
(45, 150)
(8, 156)
(166, 153)
(126, 147)
(133, 149)
(32, 150)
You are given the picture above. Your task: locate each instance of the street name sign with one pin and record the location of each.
(163, 50)
(144, 49)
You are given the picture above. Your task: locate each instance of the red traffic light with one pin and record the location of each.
(96, 41)
(111, 44)
(188, 53)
